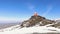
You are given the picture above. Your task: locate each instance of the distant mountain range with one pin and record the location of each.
(6, 25)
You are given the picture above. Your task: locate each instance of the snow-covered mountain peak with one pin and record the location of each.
(36, 24)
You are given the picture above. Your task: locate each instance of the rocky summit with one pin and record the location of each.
(36, 19)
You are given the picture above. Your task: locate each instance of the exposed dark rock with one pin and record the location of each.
(57, 25)
(37, 20)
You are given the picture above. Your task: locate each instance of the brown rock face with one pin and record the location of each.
(57, 24)
(36, 19)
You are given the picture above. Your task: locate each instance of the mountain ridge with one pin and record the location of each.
(36, 19)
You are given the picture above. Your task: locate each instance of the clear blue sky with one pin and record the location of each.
(22, 9)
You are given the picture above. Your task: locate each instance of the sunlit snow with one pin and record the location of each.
(17, 30)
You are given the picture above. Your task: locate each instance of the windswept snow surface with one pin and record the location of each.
(39, 29)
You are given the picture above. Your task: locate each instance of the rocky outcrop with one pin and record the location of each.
(57, 24)
(41, 21)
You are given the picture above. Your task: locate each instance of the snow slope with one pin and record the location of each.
(39, 29)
